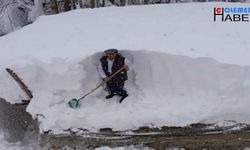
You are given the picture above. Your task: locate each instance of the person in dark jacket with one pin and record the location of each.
(110, 63)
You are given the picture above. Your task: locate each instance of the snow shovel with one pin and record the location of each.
(75, 103)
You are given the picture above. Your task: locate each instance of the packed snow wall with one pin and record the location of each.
(163, 89)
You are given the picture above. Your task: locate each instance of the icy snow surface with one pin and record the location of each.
(188, 68)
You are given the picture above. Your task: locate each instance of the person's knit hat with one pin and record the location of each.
(111, 50)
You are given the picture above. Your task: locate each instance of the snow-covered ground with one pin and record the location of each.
(188, 68)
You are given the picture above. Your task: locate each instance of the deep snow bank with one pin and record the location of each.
(165, 89)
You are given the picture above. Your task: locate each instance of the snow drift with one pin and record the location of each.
(188, 68)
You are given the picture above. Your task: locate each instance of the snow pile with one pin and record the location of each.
(188, 68)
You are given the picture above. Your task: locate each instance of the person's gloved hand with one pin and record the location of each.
(126, 67)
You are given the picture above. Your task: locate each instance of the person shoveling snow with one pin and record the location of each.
(112, 68)
(110, 63)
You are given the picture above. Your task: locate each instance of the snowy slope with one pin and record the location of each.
(188, 68)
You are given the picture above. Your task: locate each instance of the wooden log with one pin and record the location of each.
(20, 83)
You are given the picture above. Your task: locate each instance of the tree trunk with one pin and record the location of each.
(67, 5)
(122, 3)
(97, 3)
(80, 3)
(54, 7)
(92, 4)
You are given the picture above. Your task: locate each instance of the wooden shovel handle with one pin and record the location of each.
(102, 83)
